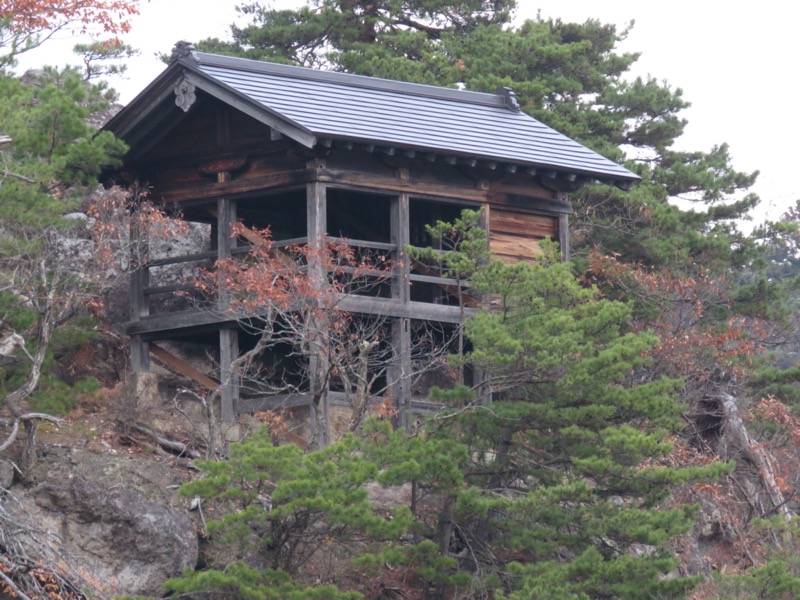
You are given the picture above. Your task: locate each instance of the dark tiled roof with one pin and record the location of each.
(313, 106)
(406, 115)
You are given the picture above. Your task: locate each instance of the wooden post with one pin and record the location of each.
(140, 275)
(229, 379)
(228, 338)
(316, 228)
(563, 230)
(226, 218)
(481, 385)
(399, 372)
(400, 238)
(139, 354)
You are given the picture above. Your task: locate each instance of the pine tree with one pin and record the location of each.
(568, 469)
(278, 508)
(50, 159)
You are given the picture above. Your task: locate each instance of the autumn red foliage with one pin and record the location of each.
(688, 313)
(32, 16)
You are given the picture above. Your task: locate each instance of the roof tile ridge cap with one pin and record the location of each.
(348, 79)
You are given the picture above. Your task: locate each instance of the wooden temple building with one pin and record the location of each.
(309, 153)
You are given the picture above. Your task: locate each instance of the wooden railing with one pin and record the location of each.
(146, 289)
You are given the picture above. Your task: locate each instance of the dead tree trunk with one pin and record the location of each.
(735, 433)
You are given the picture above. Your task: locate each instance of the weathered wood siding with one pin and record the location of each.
(515, 236)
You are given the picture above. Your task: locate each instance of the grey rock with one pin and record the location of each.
(136, 542)
(6, 474)
(114, 518)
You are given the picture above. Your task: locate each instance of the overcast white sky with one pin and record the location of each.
(737, 63)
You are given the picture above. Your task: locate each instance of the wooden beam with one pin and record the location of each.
(230, 165)
(182, 367)
(187, 319)
(393, 184)
(237, 186)
(448, 288)
(284, 401)
(422, 311)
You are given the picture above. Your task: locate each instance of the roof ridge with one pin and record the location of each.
(348, 79)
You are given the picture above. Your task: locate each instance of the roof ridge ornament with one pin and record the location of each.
(183, 50)
(509, 97)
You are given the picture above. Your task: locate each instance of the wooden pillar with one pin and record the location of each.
(140, 275)
(228, 337)
(563, 236)
(226, 219)
(399, 372)
(316, 229)
(563, 229)
(480, 384)
(229, 378)
(139, 354)
(400, 238)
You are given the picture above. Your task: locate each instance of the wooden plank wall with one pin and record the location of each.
(514, 236)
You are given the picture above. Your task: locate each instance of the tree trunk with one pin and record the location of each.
(735, 430)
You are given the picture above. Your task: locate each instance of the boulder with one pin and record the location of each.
(109, 526)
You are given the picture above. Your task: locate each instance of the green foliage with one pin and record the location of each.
(240, 581)
(573, 440)
(363, 36)
(101, 58)
(279, 506)
(458, 248)
(551, 487)
(53, 158)
(590, 575)
(777, 579)
(52, 395)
